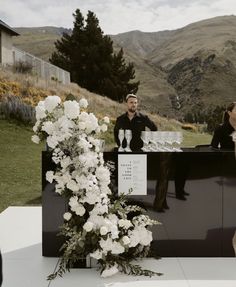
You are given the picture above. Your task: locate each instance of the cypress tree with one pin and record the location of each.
(88, 55)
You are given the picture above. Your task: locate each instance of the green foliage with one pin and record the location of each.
(215, 117)
(88, 55)
(70, 97)
(212, 116)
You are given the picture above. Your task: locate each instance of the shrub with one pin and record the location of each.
(13, 108)
(22, 67)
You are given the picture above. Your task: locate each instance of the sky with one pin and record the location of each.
(115, 16)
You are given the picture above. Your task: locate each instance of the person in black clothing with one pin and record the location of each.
(0, 269)
(134, 121)
(222, 136)
(137, 122)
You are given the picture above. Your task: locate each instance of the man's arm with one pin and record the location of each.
(150, 124)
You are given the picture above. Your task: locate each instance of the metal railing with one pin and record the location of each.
(40, 67)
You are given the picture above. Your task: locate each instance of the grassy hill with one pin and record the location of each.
(38, 41)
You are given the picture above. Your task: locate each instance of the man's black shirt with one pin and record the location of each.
(138, 124)
(222, 136)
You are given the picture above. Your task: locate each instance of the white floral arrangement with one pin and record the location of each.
(97, 223)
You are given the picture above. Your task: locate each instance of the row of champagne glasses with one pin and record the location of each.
(153, 140)
(125, 134)
(162, 141)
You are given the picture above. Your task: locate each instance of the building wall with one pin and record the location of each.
(10, 55)
(6, 48)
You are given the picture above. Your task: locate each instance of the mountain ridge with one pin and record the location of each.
(158, 56)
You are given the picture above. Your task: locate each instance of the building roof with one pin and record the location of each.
(8, 29)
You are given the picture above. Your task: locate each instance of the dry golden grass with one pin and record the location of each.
(31, 89)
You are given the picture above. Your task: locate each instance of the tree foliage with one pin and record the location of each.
(88, 55)
(212, 116)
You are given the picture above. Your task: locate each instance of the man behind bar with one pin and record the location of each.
(137, 122)
(134, 121)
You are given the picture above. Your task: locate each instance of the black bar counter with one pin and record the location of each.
(201, 224)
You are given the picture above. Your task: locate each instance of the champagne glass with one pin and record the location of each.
(121, 136)
(128, 136)
(145, 139)
(158, 141)
(179, 140)
(162, 141)
(153, 142)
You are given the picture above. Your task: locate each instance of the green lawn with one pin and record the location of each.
(20, 166)
(20, 163)
(192, 139)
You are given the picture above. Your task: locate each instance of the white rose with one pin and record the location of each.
(51, 102)
(98, 130)
(83, 103)
(103, 128)
(145, 237)
(65, 162)
(40, 110)
(71, 109)
(125, 223)
(48, 127)
(50, 176)
(52, 141)
(114, 232)
(35, 139)
(79, 209)
(83, 116)
(110, 271)
(73, 201)
(117, 248)
(88, 226)
(103, 174)
(106, 120)
(72, 185)
(125, 240)
(82, 125)
(67, 216)
(96, 254)
(35, 127)
(103, 230)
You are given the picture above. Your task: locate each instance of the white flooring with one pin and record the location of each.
(24, 265)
